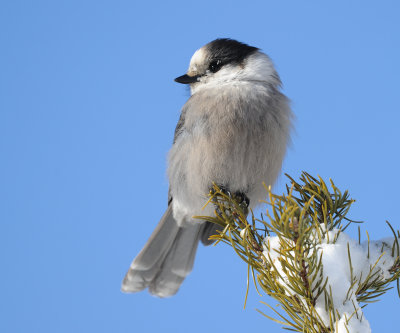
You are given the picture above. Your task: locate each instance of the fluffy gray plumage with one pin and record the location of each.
(233, 131)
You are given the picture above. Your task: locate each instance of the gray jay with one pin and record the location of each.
(233, 131)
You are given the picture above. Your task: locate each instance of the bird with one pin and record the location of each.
(233, 131)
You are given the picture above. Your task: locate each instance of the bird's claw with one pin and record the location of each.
(241, 198)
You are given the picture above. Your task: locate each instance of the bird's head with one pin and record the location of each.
(226, 61)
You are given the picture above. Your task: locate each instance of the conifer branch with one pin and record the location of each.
(288, 255)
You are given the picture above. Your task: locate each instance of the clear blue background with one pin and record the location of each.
(88, 107)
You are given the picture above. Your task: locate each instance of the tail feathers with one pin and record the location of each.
(147, 263)
(209, 229)
(178, 263)
(166, 259)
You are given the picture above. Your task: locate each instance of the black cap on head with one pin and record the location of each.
(229, 50)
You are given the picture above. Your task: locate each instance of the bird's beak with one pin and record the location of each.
(186, 79)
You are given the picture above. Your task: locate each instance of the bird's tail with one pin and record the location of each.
(165, 260)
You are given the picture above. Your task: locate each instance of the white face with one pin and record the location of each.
(198, 64)
(256, 67)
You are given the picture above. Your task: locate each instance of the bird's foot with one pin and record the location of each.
(239, 197)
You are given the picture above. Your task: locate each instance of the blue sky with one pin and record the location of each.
(88, 107)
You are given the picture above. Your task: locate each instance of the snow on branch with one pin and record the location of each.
(300, 255)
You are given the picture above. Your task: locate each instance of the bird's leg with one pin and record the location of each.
(240, 197)
(243, 201)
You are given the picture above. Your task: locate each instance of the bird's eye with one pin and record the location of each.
(215, 66)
